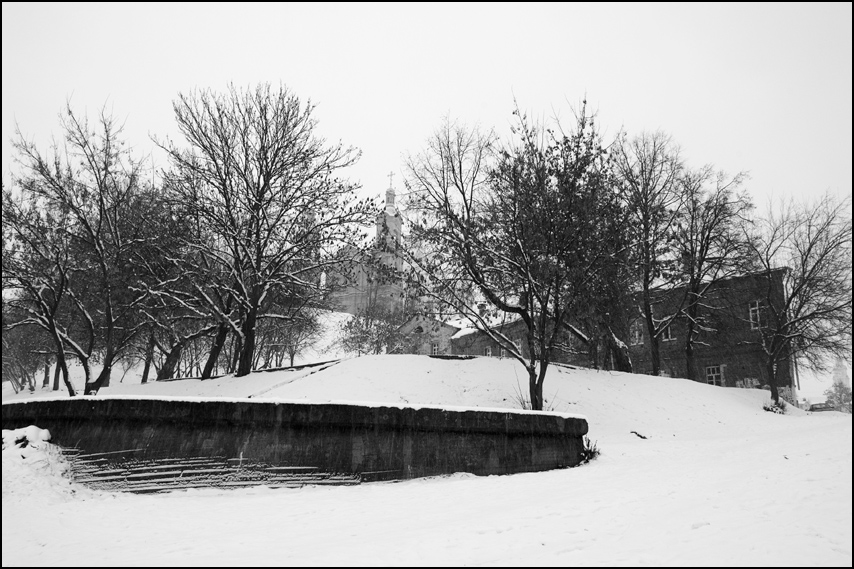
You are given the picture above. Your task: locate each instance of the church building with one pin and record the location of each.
(373, 282)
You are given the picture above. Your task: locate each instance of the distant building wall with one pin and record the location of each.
(428, 336)
(729, 353)
(478, 343)
(360, 288)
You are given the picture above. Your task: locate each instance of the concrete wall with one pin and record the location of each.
(133, 438)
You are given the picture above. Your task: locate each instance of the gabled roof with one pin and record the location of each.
(422, 319)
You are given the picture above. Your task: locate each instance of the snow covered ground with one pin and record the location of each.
(716, 481)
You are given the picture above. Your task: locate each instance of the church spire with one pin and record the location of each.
(390, 209)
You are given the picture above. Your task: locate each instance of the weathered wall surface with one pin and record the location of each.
(238, 442)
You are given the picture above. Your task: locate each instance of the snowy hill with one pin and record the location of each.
(615, 403)
(715, 481)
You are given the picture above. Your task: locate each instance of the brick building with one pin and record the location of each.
(728, 350)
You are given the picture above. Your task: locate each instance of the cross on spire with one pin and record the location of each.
(389, 195)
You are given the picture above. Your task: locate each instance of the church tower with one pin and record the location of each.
(368, 285)
(390, 292)
(389, 221)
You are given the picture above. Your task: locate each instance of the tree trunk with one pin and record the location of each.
(216, 348)
(63, 366)
(536, 386)
(103, 379)
(87, 374)
(593, 352)
(236, 347)
(655, 355)
(247, 351)
(46, 378)
(149, 355)
(690, 362)
(56, 377)
(13, 381)
(772, 381)
(620, 351)
(61, 361)
(167, 371)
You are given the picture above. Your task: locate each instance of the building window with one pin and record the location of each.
(435, 349)
(487, 351)
(714, 375)
(755, 315)
(667, 334)
(636, 333)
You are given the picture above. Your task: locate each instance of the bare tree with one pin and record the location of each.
(93, 181)
(38, 266)
(807, 316)
(525, 235)
(709, 244)
(649, 167)
(280, 338)
(265, 185)
(175, 316)
(23, 350)
(301, 335)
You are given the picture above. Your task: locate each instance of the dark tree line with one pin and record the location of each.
(215, 267)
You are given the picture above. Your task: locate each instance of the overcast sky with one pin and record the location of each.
(764, 88)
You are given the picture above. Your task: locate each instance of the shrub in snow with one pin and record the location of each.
(779, 408)
(524, 401)
(589, 452)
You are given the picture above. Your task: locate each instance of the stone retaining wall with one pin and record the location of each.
(153, 442)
